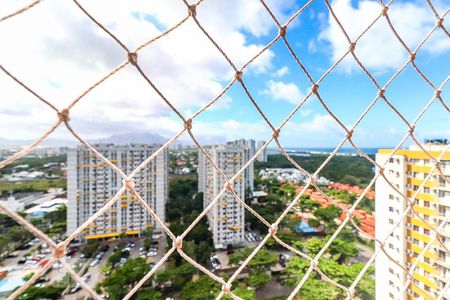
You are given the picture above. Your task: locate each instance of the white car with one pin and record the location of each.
(56, 265)
(93, 263)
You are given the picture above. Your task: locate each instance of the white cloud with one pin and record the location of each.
(59, 52)
(279, 90)
(281, 71)
(379, 49)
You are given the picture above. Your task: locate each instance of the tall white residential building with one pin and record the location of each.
(91, 183)
(226, 218)
(406, 170)
(249, 173)
(262, 157)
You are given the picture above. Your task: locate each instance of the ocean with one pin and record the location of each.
(306, 151)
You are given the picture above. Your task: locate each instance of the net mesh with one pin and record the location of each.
(62, 118)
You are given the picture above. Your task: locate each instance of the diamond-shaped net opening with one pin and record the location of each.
(309, 265)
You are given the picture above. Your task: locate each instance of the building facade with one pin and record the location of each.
(91, 183)
(262, 156)
(226, 218)
(406, 170)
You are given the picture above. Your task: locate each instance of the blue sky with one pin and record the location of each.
(190, 71)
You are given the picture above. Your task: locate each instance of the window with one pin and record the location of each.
(391, 209)
(391, 221)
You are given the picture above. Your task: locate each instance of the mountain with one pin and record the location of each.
(132, 138)
(49, 142)
(118, 139)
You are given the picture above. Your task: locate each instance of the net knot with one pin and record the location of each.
(129, 183)
(412, 56)
(63, 115)
(350, 212)
(238, 76)
(381, 170)
(314, 88)
(381, 93)
(411, 129)
(349, 134)
(283, 31)
(437, 94)
(192, 10)
(384, 11)
(132, 58)
(352, 46)
(229, 186)
(60, 251)
(439, 22)
(178, 243)
(188, 124)
(313, 179)
(315, 263)
(276, 133)
(351, 293)
(226, 289)
(273, 229)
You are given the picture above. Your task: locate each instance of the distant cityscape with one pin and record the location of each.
(59, 188)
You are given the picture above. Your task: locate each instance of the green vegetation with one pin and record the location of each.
(12, 235)
(315, 288)
(346, 169)
(89, 248)
(122, 279)
(184, 206)
(350, 198)
(259, 265)
(34, 163)
(47, 292)
(54, 223)
(41, 185)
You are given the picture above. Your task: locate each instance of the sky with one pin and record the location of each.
(59, 52)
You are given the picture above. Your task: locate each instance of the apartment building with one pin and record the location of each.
(262, 156)
(226, 218)
(406, 170)
(91, 183)
(249, 173)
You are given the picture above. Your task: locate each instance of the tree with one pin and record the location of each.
(314, 245)
(313, 222)
(148, 243)
(342, 250)
(148, 294)
(202, 289)
(90, 247)
(315, 289)
(47, 292)
(120, 280)
(328, 214)
(28, 276)
(243, 293)
(258, 277)
(264, 258)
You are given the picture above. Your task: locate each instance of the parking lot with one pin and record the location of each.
(34, 256)
(135, 248)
